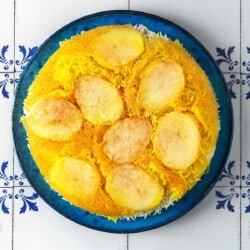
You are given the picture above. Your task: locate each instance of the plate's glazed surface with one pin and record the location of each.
(155, 24)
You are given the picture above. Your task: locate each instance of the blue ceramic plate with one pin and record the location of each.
(201, 55)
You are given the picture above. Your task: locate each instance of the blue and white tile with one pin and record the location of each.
(43, 228)
(230, 176)
(219, 33)
(6, 218)
(7, 36)
(245, 178)
(6, 150)
(213, 224)
(245, 171)
(35, 22)
(6, 89)
(245, 219)
(6, 174)
(245, 38)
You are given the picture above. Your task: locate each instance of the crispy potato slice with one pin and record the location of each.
(118, 46)
(99, 101)
(177, 140)
(54, 118)
(75, 178)
(126, 139)
(160, 84)
(131, 187)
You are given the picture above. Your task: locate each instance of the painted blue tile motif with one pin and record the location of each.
(3, 176)
(4, 85)
(28, 202)
(20, 178)
(230, 84)
(245, 63)
(3, 57)
(225, 200)
(227, 173)
(27, 54)
(246, 178)
(246, 81)
(5, 196)
(246, 195)
(224, 57)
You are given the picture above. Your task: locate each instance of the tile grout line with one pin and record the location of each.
(127, 241)
(240, 232)
(23, 186)
(12, 223)
(5, 187)
(7, 72)
(128, 4)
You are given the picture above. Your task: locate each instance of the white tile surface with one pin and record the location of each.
(36, 20)
(245, 219)
(205, 227)
(6, 219)
(214, 23)
(245, 36)
(46, 229)
(231, 172)
(6, 35)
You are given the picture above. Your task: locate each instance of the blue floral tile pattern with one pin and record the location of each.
(246, 64)
(29, 202)
(26, 54)
(227, 173)
(4, 60)
(246, 81)
(225, 57)
(225, 200)
(246, 178)
(4, 85)
(5, 201)
(246, 195)
(20, 178)
(230, 84)
(4, 177)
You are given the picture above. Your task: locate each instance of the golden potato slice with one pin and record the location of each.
(99, 101)
(118, 46)
(131, 187)
(54, 118)
(177, 140)
(126, 139)
(161, 83)
(76, 178)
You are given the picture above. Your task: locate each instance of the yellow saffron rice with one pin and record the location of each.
(85, 144)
